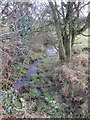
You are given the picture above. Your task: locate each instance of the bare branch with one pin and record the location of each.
(85, 5)
(85, 26)
(85, 35)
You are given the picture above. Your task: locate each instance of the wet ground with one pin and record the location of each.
(33, 69)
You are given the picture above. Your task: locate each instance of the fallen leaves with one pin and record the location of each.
(73, 89)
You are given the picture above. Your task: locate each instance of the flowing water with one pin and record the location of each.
(33, 69)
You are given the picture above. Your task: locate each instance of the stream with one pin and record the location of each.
(33, 69)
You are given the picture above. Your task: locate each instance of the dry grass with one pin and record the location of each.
(72, 81)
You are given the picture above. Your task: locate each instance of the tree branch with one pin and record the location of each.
(85, 35)
(85, 26)
(85, 5)
(34, 30)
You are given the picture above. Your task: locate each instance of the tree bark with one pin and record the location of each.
(62, 55)
(68, 29)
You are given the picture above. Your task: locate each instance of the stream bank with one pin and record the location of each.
(33, 69)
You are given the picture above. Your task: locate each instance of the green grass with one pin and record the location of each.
(49, 102)
(81, 41)
(39, 55)
(19, 71)
(48, 61)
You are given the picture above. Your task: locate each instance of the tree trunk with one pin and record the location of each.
(62, 55)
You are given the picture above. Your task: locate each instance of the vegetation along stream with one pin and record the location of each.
(44, 59)
(33, 69)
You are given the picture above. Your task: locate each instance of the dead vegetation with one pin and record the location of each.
(71, 81)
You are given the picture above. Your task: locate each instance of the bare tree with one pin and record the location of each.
(25, 17)
(68, 25)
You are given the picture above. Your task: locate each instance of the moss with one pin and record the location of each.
(34, 93)
(45, 63)
(18, 72)
(38, 55)
(25, 96)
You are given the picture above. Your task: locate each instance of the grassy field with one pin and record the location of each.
(81, 41)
